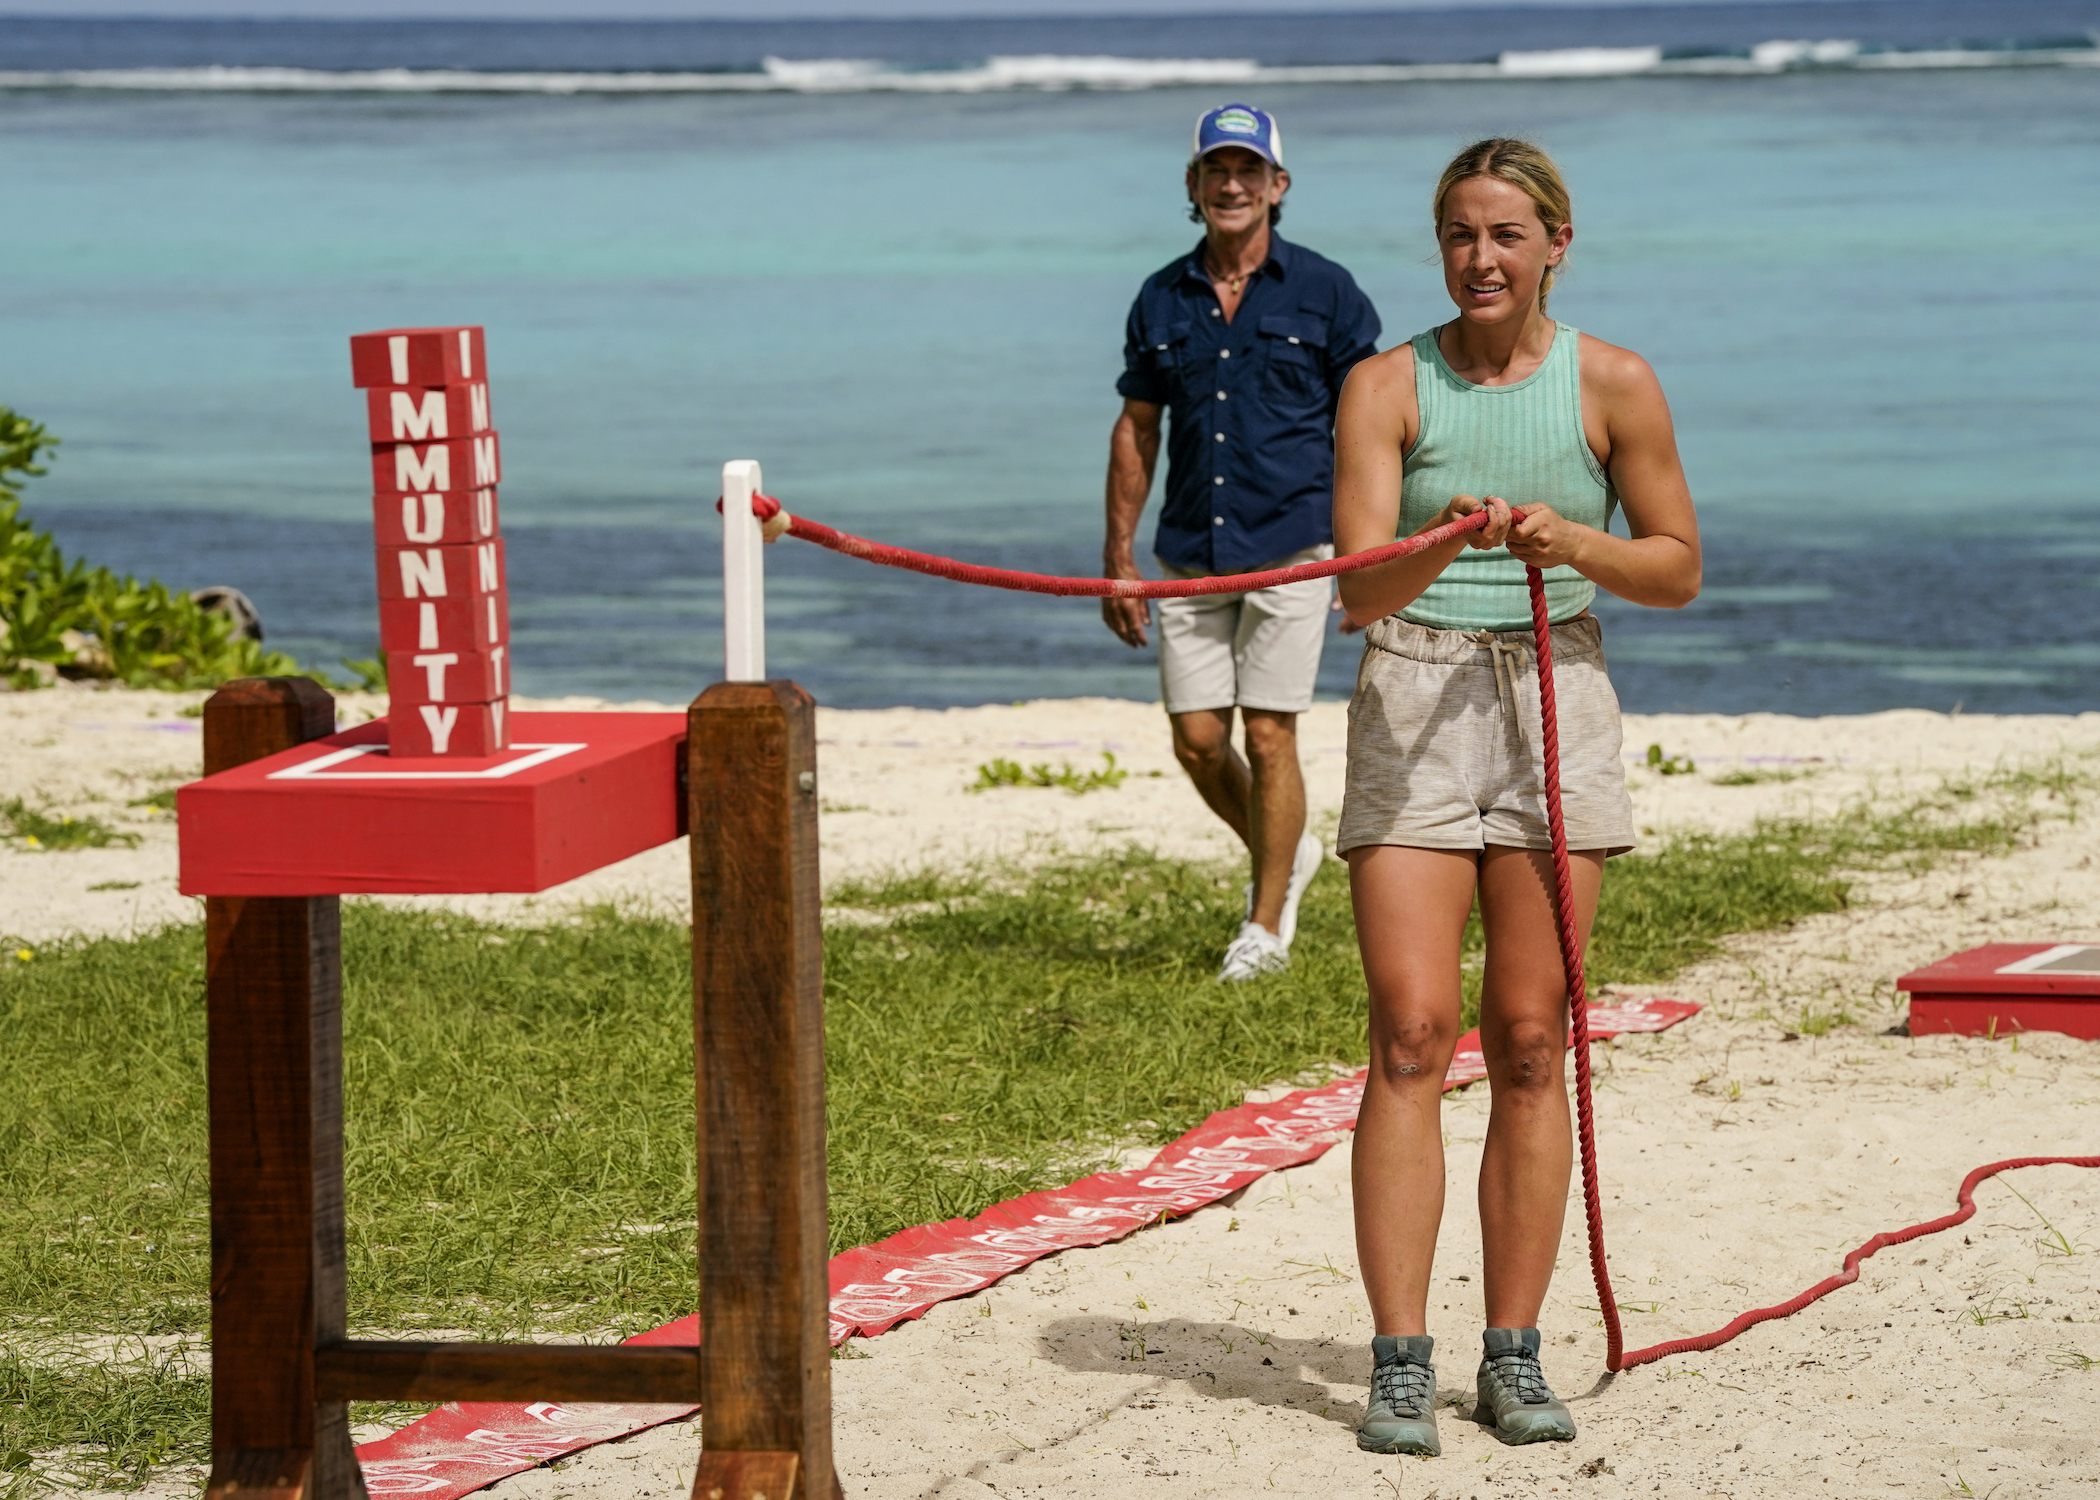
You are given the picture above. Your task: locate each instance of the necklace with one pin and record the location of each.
(1234, 283)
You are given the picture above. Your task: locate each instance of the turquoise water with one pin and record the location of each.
(1870, 297)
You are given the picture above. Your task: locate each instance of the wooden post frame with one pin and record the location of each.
(273, 1001)
(758, 1031)
(283, 1370)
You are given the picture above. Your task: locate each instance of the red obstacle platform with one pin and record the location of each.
(452, 794)
(443, 602)
(340, 815)
(291, 815)
(2004, 987)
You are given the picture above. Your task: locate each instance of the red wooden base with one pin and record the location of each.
(338, 816)
(2008, 987)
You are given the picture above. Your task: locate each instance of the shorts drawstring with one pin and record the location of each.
(1509, 658)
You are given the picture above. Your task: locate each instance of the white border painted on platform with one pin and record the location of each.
(2036, 961)
(322, 768)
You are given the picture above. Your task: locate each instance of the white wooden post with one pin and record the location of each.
(743, 576)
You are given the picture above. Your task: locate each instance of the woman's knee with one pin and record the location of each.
(1526, 1057)
(1408, 1050)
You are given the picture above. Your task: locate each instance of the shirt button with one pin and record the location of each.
(1221, 437)
(1224, 354)
(1217, 521)
(1214, 312)
(1219, 480)
(1221, 395)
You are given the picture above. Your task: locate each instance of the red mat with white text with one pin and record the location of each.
(463, 1446)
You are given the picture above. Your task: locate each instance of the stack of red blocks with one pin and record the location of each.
(444, 612)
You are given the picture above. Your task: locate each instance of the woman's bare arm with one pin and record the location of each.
(1375, 426)
(1659, 564)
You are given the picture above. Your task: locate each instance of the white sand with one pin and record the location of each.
(893, 787)
(1738, 1167)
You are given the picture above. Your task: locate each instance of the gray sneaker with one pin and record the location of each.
(1400, 1417)
(1512, 1393)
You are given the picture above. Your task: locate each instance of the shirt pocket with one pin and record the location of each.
(1294, 358)
(1166, 352)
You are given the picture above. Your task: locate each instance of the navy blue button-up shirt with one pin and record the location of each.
(1250, 434)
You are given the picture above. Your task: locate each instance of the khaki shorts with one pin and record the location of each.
(1444, 741)
(1255, 650)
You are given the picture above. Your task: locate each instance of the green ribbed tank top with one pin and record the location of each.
(1523, 442)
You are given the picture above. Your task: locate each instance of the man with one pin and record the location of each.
(1246, 341)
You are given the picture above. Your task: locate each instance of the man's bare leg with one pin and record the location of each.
(1264, 803)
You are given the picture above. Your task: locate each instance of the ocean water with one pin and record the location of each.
(893, 268)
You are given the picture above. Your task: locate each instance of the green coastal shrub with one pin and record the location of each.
(64, 618)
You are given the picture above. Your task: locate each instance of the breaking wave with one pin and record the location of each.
(1052, 73)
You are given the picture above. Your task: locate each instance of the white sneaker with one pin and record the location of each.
(1256, 951)
(1304, 865)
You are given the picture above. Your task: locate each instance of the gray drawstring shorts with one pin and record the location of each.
(1444, 747)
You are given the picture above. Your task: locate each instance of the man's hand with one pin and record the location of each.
(1127, 617)
(1133, 448)
(1544, 538)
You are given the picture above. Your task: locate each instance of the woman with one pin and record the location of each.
(1548, 429)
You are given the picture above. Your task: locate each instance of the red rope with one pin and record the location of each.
(765, 507)
(1571, 963)
(1850, 1274)
(1615, 1357)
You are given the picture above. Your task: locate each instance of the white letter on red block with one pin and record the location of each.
(420, 423)
(461, 622)
(417, 356)
(448, 729)
(485, 556)
(423, 573)
(433, 527)
(478, 398)
(433, 665)
(433, 471)
(484, 461)
(439, 722)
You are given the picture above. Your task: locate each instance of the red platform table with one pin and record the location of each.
(338, 816)
(2008, 987)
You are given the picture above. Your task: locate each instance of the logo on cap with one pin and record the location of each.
(1238, 125)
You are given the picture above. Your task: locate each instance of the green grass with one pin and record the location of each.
(519, 1101)
(1759, 775)
(1001, 772)
(38, 829)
